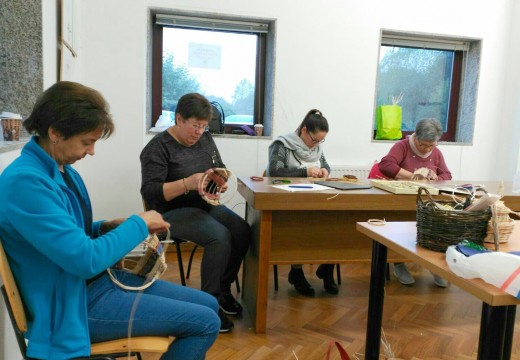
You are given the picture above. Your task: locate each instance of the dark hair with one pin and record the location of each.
(69, 108)
(194, 105)
(314, 121)
(428, 130)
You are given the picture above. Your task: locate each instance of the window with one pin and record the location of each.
(426, 76)
(224, 59)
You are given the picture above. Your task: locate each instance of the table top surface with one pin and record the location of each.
(262, 195)
(401, 238)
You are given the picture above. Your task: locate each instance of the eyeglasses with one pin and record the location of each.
(315, 141)
(200, 127)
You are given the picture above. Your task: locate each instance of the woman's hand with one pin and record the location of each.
(154, 221)
(192, 182)
(324, 173)
(313, 172)
(432, 175)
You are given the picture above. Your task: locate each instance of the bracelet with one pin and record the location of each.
(184, 182)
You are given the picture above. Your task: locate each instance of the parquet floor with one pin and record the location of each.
(421, 322)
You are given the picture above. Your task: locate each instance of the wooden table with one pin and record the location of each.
(498, 307)
(317, 227)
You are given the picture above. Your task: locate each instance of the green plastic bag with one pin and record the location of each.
(388, 122)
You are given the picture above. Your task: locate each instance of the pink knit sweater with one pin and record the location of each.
(402, 156)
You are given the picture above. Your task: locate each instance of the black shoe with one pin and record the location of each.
(229, 305)
(226, 325)
(297, 278)
(326, 272)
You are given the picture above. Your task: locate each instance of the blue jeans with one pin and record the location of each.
(163, 309)
(223, 234)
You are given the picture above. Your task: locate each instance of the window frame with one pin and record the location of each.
(216, 23)
(463, 49)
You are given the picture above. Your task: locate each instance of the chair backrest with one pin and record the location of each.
(375, 173)
(13, 295)
(13, 301)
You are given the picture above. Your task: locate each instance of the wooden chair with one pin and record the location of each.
(178, 241)
(106, 350)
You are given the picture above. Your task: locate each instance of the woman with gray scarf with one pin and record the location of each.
(300, 154)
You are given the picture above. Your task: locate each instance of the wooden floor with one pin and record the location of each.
(420, 321)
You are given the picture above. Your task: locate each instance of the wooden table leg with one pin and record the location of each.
(256, 269)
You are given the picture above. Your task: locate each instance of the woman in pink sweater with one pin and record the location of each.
(417, 156)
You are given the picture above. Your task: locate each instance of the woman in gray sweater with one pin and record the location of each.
(300, 154)
(172, 165)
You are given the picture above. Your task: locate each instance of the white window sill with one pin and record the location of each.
(6, 146)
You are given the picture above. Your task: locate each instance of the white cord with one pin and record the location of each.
(377, 222)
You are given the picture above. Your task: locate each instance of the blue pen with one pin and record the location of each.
(300, 186)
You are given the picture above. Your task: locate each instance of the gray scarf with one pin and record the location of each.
(299, 151)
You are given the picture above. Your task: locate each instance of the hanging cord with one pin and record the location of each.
(151, 265)
(462, 202)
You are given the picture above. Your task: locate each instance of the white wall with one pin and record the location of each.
(326, 58)
(8, 346)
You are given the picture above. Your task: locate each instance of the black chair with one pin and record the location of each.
(178, 241)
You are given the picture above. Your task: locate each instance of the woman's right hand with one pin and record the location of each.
(192, 182)
(154, 221)
(313, 172)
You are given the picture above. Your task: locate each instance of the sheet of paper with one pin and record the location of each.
(301, 187)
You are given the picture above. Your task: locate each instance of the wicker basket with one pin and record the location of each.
(438, 228)
(505, 225)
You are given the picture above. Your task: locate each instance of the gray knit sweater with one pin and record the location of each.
(164, 160)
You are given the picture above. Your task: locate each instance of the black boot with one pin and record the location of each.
(326, 272)
(297, 278)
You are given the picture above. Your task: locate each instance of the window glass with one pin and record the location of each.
(220, 65)
(419, 79)
(429, 76)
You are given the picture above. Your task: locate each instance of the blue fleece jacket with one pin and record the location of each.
(42, 230)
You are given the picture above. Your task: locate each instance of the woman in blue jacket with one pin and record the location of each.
(59, 255)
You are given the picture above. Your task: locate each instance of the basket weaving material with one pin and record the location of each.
(437, 229)
(502, 221)
(11, 129)
(150, 266)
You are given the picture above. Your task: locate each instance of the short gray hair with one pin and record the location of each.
(428, 130)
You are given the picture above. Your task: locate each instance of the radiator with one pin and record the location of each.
(361, 172)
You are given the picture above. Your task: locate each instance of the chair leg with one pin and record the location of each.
(179, 260)
(191, 259)
(338, 272)
(275, 274)
(237, 284)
